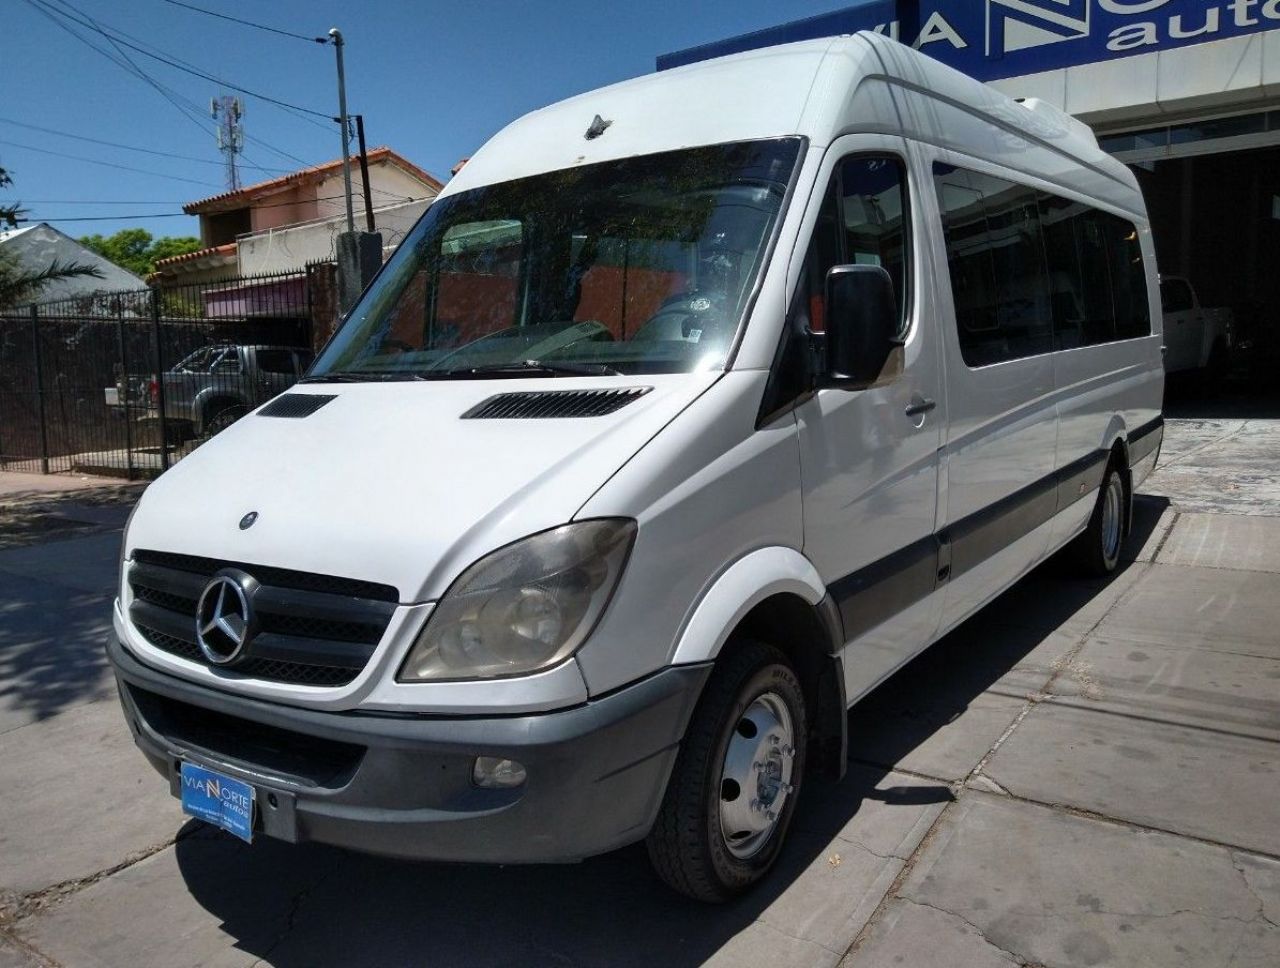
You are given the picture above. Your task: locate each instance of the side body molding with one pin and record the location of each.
(740, 588)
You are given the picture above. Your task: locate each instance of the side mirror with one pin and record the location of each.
(861, 326)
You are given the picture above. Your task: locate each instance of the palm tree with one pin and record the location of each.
(19, 285)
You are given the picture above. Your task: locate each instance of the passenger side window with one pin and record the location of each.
(228, 362)
(1175, 295)
(1079, 280)
(276, 361)
(998, 274)
(1031, 271)
(864, 219)
(874, 220)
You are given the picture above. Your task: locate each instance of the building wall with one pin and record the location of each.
(390, 185)
(296, 204)
(292, 247)
(1235, 74)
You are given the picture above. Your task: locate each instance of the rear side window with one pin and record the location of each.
(998, 273)
(1031, 271)
(1128, 277)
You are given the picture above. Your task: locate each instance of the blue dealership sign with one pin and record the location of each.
(990, 39)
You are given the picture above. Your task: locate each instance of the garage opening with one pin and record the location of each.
(1213, 193)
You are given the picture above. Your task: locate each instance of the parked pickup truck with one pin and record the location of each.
(217, 385)
(1195, 338)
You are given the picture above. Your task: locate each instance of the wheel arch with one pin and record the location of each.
(775, 595)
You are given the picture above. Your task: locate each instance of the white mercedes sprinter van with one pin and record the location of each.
(692, 409)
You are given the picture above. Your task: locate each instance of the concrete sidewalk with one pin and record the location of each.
(1087, 773)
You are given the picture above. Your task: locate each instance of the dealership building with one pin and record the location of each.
(1187, 92)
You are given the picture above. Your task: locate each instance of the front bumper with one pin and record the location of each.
(401, 785)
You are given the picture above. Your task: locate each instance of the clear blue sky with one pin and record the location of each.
(433, 80)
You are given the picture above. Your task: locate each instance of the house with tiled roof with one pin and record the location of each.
(288, 222)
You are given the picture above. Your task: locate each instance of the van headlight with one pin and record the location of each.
(524, 607)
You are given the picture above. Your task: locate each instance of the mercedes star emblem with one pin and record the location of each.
(224, 617)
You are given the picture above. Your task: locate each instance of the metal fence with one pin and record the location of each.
(127, 383)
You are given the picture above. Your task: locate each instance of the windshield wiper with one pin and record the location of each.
(534, 367)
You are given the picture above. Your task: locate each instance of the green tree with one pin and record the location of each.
(20, 285)
(137, 249)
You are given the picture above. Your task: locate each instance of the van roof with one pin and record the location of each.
(819, 89)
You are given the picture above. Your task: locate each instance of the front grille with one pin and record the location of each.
(307, 759)
(315, 630)
(545, 404)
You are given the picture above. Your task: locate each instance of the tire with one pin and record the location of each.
(753, 695)
(1096, 552)
(223, 419)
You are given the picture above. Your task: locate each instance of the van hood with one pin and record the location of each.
(387, 482)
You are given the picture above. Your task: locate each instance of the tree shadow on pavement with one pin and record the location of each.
(312, 905)
(52, 655)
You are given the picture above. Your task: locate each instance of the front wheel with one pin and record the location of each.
(1097, 550)
(736, 779)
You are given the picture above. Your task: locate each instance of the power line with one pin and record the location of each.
(140, 215)
(114, 144)
(111, 218)
(129, 66)
(95, 201)
(105, 164)
(249, 23)
(169, 59)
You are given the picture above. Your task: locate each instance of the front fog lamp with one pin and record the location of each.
(494, 773)
(525, 607)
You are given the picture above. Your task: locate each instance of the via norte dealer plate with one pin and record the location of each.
(218, 800)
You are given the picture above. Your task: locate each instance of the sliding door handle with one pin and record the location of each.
(920, 405)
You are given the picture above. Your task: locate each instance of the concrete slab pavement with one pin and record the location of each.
(82, 800)
(980, 824)
(1044, 887)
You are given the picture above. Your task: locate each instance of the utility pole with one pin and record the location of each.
(336, 35)
(359, 253)
(230, 133)
(364, 174)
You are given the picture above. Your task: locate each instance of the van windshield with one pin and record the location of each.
(643, 265)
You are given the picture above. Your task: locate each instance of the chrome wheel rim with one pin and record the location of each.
(1112, 503)
(755, 780)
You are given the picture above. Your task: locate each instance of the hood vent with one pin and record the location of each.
(295, 406)
(544, 404)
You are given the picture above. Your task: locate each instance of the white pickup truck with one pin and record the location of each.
(1195, 337)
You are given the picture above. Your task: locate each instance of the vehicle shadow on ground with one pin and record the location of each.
(312, 905)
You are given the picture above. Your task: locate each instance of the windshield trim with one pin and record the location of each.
(748, 306)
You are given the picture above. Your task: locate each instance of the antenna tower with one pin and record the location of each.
(228, 111)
